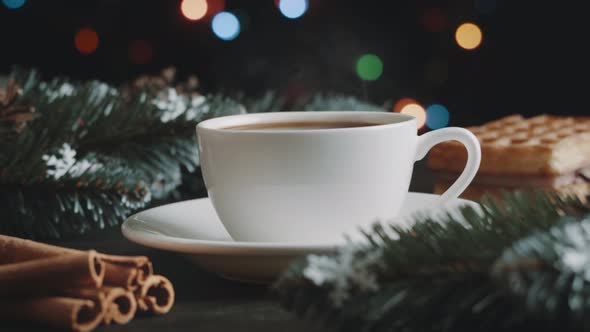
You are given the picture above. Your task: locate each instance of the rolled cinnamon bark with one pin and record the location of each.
(15, 250)
(120, 304)
(126, 271)
(122, 276)
(58, 312)
(118, 270)
(46, 275)
(155, 295)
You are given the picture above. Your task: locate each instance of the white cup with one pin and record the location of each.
(314, 185)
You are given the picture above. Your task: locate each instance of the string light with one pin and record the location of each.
(141, 52)
(293, 8)
(194, 9)
(13, 4)
(437, 116)
(86, 40)
(369, 67)
(226, 26)
(416, 111)
(468, 36)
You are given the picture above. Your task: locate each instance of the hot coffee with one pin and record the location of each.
(302, 125)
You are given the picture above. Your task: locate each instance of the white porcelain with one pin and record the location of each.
(292, 185)
(193, 228)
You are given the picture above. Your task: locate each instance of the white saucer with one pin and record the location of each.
(193, 228)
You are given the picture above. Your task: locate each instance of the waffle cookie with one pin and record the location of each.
(546, 152)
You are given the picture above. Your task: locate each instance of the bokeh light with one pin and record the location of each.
(13, 4)
(437, 116)
(369, 67)
(141, 52)
(400, 104)
(416, 111)
(194, 9)
(226, 26)
(468, 36)
(434, 20)
(293, 8)
(86, 40)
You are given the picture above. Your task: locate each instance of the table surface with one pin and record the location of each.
(204, 302)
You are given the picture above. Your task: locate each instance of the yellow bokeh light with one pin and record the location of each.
(400, 104)
(416, 111)
(468, 36)
(194, 9)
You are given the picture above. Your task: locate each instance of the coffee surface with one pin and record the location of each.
(302, 125)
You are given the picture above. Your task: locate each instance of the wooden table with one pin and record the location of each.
(204, 302)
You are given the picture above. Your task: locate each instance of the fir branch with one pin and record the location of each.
(94, 117)
(160, 149)
(435, 275)
(76, 196)
(160, 162)
(550, 273)
(145, 136)
(49, 212)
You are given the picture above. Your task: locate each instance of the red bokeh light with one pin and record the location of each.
(86, 40)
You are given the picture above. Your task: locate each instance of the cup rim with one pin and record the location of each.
(383, 119)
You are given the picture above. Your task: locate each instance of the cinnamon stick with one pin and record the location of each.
(155, 295)
(118, 269)
(120, 304)
(123, 276)
(80, 288)
(15, 250)
(126, 271)
(41, 276)
(58, 312)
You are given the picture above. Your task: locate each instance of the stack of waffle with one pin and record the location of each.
(544, 152)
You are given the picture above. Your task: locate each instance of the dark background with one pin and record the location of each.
(531, 60)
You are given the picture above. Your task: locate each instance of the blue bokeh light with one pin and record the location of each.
(13, 4)
(293, 8)
(437, 116)
(226, 26)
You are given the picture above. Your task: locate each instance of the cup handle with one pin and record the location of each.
(465, 137)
